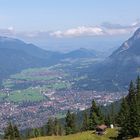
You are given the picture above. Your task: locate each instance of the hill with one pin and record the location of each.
(81, 53)
(110, 133)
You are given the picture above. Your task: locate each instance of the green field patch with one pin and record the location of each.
(35, 74)
(8, 83)
(32, 95)
(2, 96)
(58, 86)
(80, 78)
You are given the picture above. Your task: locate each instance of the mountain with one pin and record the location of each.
(81, 53)
(121, 66)
(30, 49)
(16, 55)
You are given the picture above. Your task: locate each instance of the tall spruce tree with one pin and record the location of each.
(129, 123)
(56, 126)
(138, 98)
(11, 132)
(123, 113)
(70, 124)
(49, 127)
(95, 116)
(60, 130)
(85, 123)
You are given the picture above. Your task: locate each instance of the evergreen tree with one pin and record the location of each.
(49, 127)
(138, 98)
(108, 119)
(36, 132)
(60, 130)
(56, 126)
(85, 124)
(70, 126)
(123, 113)
(95, 117)
(112, 115)
(11, 132)
(129, 123)
(73, 121)
(42, 131)
(16, 132)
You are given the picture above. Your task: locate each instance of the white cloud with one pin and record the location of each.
(11, 28)
(79, 31)
(104, 29)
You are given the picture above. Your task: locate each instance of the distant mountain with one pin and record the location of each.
(30, 49)
(115, 72)
(81, 53)
(16, 55)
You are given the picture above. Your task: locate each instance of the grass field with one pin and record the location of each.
(110, 133)
(136, 138)
(29, 94)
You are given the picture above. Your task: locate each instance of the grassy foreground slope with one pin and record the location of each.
(136, 138)
(110, 133)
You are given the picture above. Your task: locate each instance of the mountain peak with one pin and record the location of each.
(132, 44)
(136, 34)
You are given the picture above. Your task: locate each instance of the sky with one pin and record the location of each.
(57, 23)
(31, 15)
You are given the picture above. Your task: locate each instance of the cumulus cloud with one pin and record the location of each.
(79, 31)
(103, 29)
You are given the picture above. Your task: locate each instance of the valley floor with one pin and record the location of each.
(110, 133)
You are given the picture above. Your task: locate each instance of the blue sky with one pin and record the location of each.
(70, 24)
(30, 15)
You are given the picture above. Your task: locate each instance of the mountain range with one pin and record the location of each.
(111, 74)
(16, 55)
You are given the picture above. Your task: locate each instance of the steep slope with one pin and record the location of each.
(123, 65)
(119, 68)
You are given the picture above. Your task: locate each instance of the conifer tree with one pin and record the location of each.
(70, 126)
(11, 132)
(138, 98)
(36, 132)
(60, 130)
(129, 123)
(49, 127)
(107, 119)
(85, 124)
(123, 113)
(16, 132)
(56, 126)
(95, 117)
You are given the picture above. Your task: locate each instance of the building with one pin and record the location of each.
(100, 129)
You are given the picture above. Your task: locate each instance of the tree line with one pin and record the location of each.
(129, 114)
